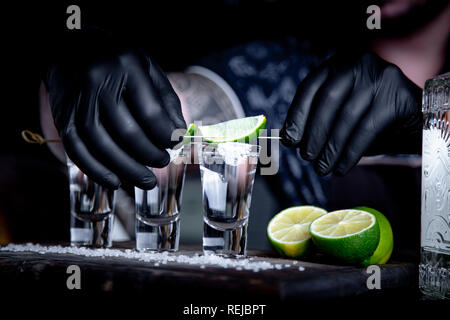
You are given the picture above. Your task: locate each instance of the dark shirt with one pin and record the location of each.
(265, 76)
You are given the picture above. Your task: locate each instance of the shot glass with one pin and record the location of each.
(91, 210)
(227, 175)
(158, 210)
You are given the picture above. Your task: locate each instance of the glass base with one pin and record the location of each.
(434, 274)
(164, 237)
(228, 243)
(97, 234)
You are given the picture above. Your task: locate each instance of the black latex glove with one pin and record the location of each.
(350, 107)
(114, 109)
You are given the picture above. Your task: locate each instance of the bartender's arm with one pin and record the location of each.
(353, 106)
(114, 108)
(201, 98)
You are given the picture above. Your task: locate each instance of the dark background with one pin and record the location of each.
(176, 33)
(33, 184)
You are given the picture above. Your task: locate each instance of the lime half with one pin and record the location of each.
(349, 235)
(288, 231)
(386, 245)
(244, 130)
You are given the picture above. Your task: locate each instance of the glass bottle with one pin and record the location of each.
(434, 268)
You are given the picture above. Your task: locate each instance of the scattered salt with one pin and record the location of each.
(233, 153)
(253, 264)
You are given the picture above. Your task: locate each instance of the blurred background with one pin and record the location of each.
(34, 193)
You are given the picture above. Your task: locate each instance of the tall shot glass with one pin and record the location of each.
(158, 210)
(227, 175)
(91, 210)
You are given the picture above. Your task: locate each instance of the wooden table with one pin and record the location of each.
(27, 271)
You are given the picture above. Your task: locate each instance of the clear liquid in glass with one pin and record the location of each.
(158, 210)
(227, 174)
(91, 209)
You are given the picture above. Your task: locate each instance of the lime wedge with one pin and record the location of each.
(386, 245)
(288, 231)
(349, 235)
(244, 130)
(189, 132)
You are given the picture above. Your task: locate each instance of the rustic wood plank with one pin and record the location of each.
(34, 271)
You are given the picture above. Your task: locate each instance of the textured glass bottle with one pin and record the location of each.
(434, 268)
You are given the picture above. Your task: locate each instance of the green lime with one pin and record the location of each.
(189, 132)
(386, 245)
(244, 130)
(288, 231)
(349, 235)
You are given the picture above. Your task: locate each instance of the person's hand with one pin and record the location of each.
(114, 109)
(350, 107)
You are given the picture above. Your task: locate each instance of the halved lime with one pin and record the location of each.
(386, 245)
(244, 130)
(349, 235)
(288, 231)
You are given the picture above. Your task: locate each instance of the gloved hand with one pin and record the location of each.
(350, 107)
(115, 110)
